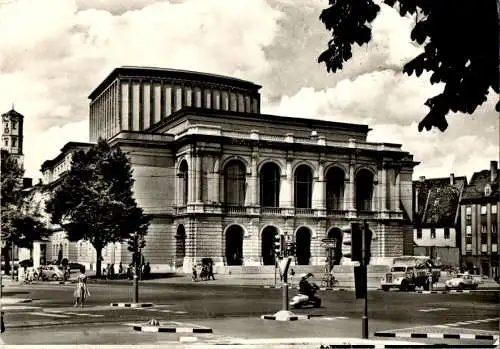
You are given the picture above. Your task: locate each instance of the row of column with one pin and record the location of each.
(137, 105)
(104, 113)
(195, 183)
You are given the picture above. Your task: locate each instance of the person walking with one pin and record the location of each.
(81, 291)
(211, 270)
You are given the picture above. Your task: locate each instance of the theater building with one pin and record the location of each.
(220, 180)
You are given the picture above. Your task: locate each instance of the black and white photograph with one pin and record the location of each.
(250, 173)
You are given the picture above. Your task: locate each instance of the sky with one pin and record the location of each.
(55, 52)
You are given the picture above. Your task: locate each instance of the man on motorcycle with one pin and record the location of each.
(306, 288)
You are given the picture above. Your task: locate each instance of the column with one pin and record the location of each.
(177, 184)
(198, 190)
(286, 197)
(384, 187)
(397, 190)
(191, 176)
(379, 189)
(350, 202)
(319, 188)
(250, 199)
(216, 178)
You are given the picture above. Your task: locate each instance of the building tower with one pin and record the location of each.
(12, 133)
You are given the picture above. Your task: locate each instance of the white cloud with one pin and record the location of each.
(57, 51)
(61, 49)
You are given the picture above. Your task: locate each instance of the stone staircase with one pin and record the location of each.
(344, 274)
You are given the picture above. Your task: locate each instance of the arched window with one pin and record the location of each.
(334, 189)
(364, 190)
(234, 183)
(303, 187)
(270, 185)
(184, 182)
(180, 246)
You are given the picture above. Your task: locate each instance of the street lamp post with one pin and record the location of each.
(136, 276)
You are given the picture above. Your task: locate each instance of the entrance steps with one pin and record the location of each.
(344, 274)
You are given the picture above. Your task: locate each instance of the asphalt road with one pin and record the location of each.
(234, 312)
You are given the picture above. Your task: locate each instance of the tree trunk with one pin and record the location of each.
(98, 270)
(6, 258)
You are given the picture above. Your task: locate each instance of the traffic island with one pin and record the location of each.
(154, 326)
(13, 300)
(436, 335)
(285, 315)
(131, 305)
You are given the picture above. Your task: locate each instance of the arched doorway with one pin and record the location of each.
(303, 187)
(303, 243)
(234, 183)
(335, 189)
(234, 245)
(364, 190)
(270, 185)
(180, 246)
(268, 235)
(335, 253)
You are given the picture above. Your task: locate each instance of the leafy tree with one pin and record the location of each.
(95, 200)
(460, 41)
(20, 226)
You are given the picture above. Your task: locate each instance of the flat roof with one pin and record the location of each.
(307, 122)
(154, 72)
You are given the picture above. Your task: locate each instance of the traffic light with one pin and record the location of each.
(290, 248)
(356, 242)
(278, 244)
(368, 243)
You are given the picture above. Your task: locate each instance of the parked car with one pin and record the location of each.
(51, 272)
(74, 265)
(461, 282)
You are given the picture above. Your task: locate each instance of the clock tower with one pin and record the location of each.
(12, 133)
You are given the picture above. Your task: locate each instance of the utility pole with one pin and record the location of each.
(364, 319)
(136, 276)
(2, 327)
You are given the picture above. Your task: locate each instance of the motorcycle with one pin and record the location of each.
(301, 300)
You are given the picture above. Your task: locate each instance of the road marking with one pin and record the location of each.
(442, 326)
(432, 309)
(471, 322)
(83, 314)
(49, 314)
(335, 318)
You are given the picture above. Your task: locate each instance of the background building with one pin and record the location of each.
(220, 180)
(436, 217)
(481, 222)
(12, 133)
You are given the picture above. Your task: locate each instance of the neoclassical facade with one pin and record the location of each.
(220, 180)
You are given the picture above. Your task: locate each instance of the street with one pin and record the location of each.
(234, 312)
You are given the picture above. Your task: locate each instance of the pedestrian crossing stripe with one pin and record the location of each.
(335, 318)
(166, 311)
(471, 322)
(63, 314)
(74, 313)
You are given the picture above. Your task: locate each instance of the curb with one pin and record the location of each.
(435, 335)
(443, 292)
(12, 301)
(291, 318)
(321, 288)
(131, 305)
(167, 329)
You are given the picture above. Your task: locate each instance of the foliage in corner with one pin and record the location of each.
(460, 47)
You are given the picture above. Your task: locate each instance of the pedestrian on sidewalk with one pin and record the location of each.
(195, 273)
(292, 274)
(211, 270)
(81, 291)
